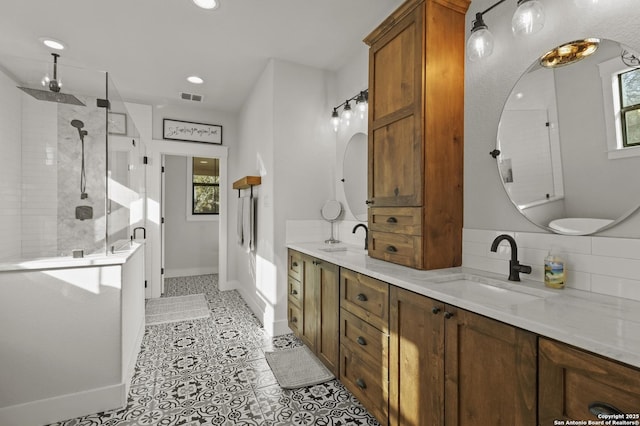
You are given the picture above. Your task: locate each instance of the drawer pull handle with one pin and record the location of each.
(361, 341)
(362, 297)
(448, 315)
(294, 319)
(392, 249)
(294, 292)
(361, 384)
(603, 408)
(294, 264)
(392, 220)
(368, 202)
(435, 310)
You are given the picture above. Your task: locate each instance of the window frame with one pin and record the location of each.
(624, 110)
(197, 217)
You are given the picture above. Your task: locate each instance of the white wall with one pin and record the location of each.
(488, 83)
(285, 138)
(197, 250)
(10, 169)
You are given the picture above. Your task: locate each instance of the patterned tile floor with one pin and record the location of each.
(213, 372)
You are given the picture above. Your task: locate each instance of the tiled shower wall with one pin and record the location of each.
(603, 265)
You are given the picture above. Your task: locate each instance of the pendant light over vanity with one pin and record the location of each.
(527, 19)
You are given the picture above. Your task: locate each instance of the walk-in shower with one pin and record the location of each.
(71, 183)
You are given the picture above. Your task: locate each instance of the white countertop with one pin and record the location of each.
(605, 325)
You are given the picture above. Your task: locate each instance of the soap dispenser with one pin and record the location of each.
(554, 273)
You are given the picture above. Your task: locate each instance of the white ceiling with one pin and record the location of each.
(149, 47)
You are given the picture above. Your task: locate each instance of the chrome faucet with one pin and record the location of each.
(366, 234)
(515, 268)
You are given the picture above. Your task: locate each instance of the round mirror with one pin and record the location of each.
(354, 172)
(331, 210)
(568, 143)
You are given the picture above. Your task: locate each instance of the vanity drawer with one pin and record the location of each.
(396, 248)
(367, 380)
(295, 318)
(295, 264)
(294, 290)
(365, 297)
(401, 220)
(361, 337)
(570, 380)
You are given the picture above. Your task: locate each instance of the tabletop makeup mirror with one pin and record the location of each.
(568, 142)
(330, 212)
(354, 175)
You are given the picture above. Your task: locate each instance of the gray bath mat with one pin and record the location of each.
(297, 368)
(178, 308)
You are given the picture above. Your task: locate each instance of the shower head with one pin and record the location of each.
(77, 124)
(53, 94)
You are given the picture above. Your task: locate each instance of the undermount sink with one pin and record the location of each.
(488, 291)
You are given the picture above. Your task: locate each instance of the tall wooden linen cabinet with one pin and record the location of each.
(416, 122)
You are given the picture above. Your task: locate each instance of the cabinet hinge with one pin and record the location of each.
(145, 160)
(145, 283)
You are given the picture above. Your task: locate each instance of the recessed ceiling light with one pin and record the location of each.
(195, 79)
(207, 4)
(52, 43)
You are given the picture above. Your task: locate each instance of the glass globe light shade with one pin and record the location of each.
(528, 18)
(480, 44)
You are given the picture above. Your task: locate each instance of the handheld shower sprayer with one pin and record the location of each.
(83, 177)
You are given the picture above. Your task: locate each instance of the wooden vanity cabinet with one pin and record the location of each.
(415, 147)
(313, 306)
(572, 380)
(364, 340)
(450, 366)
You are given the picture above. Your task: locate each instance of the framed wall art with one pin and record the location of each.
(178, 130)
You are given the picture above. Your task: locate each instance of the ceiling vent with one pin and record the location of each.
(191, 97)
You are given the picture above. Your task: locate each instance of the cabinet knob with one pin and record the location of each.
(448, 314)
(362, 297)
(392, 249)
(294, 319)
(435, 310)
(294, 292)
(392, 220)
(361, 384)
(294, 264)
(603, 408)
(361, 341)
(369, 202)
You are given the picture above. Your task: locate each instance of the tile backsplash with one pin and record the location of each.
(603, 265)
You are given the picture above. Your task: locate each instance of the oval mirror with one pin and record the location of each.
(568, 143)
(354, 172)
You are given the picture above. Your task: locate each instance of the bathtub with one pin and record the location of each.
(71, 329)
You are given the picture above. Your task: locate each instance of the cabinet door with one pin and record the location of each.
(308, 328)
(573, 382)
(491, 371)
(395, 114)
(416, 360)
(327, 341)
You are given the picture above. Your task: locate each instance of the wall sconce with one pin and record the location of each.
(361, 100)
(527, 19)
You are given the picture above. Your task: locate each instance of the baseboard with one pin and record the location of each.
(256, 307)
(281, 327)
(50, 410)
(189, 272)
(229, 285)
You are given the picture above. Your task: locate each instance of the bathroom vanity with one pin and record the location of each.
(462, 346)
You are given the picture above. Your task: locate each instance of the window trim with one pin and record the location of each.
(189, 207)
(609, 71)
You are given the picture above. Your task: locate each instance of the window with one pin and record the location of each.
(205, 184)
(629, 84)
